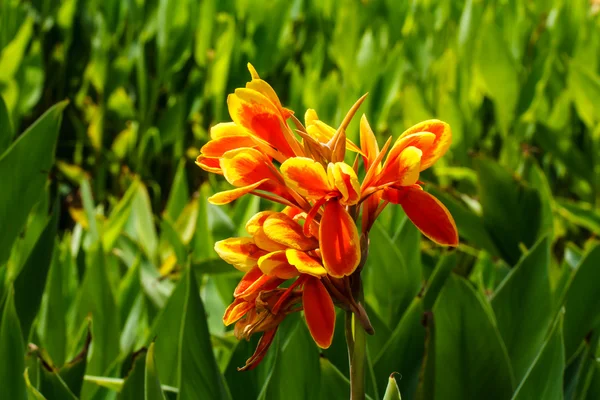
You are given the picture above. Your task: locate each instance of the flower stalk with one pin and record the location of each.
(357, 351)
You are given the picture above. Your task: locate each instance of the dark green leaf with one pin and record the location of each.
(524, 307)
(470, 359)
(12, 349)
(21, 191)
(133, 386)
(5, 127)
(152, 388)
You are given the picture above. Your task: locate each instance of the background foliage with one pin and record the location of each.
(109, 284)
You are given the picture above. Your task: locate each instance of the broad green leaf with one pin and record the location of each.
(72, 373)
(296, 371)
(31, 282)
(200, 376)
(390, 284)
(580, 213)
(392, 392)
(90, 210)
(96, 298)
(511, 210)
(152, 389)
(202, 242)
(334, 384)
(544, 379)
(471, 361)
(52, 386)
(140, 226)
(204, 31)
(12, 349)
(21, 191)
(437, 279)
(524, 307)
(584, 85)
(582, 301)
(404, 351)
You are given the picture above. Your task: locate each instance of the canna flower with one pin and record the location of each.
(277, 251)
(308, 257)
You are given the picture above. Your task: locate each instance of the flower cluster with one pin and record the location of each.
(309, 256)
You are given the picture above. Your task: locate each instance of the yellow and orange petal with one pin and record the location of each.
(240, 252)
(427, 213)
(227, 129)
(338, 240)
(209, 164)
(306, 176)
(219, 146)
(276, 264)
(368, 142)
(253, 282)
(440, 145)
(236, 310)
(304, 263)
(265, 242)
(246, 166)
(228, 196)
(257, 221)
(344, 179)
(319, 312)
(284, 230)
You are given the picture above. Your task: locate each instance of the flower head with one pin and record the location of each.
(308, 257)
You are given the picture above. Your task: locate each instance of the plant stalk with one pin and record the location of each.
(356, 340)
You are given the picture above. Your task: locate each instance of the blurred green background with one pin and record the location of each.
(105, 229)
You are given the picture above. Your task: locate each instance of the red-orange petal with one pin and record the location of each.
(257, 221)
(344, 179)
(257, 113)
(261, 350)
(284, 230)
(427, 213)
(254, 281)
(338, 240)
(236, 310)
(319, 312)
(219, 146)
(209, 164)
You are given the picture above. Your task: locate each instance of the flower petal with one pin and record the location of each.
(305, 176)
(209, 164)
(230, 195)
(304, 263)
(409, 163)
(283, 229)
(257, 113)
(427, 213)
(246, 166)
(443, 139)
(261, 350)
(257, 221)
(265, 242)
(318, 312)
(338, 240)
(217, 147)
(344, 179)
(240, 252)
(227, 129)
(236, 310)
(254, 281)
(422, 141)
(276, 264)
(368, 142)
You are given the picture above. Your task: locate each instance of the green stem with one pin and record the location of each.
(357, 356)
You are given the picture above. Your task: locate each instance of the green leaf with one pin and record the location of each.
(96, 297)
(202, 242)
(140, 226)
(544, 379)
(90, 210)
(582, 301)
(390, 284)
(6, 128)
(200, 376)
(12, 349)
(179, 195)
(392, 392)
(118, 217)
(581, 214)
(133, 385)
(116, 384)
(21, 191)
(32, 392)
(29, 285)
(72, 373)
(152, 388)
(437, 279)
(511, 211)
(470, 359)
(334, 385)
(404, 351)
(584, 85)
(52, 385)
(524, 307)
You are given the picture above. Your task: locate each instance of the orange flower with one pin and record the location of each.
(415, 150)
